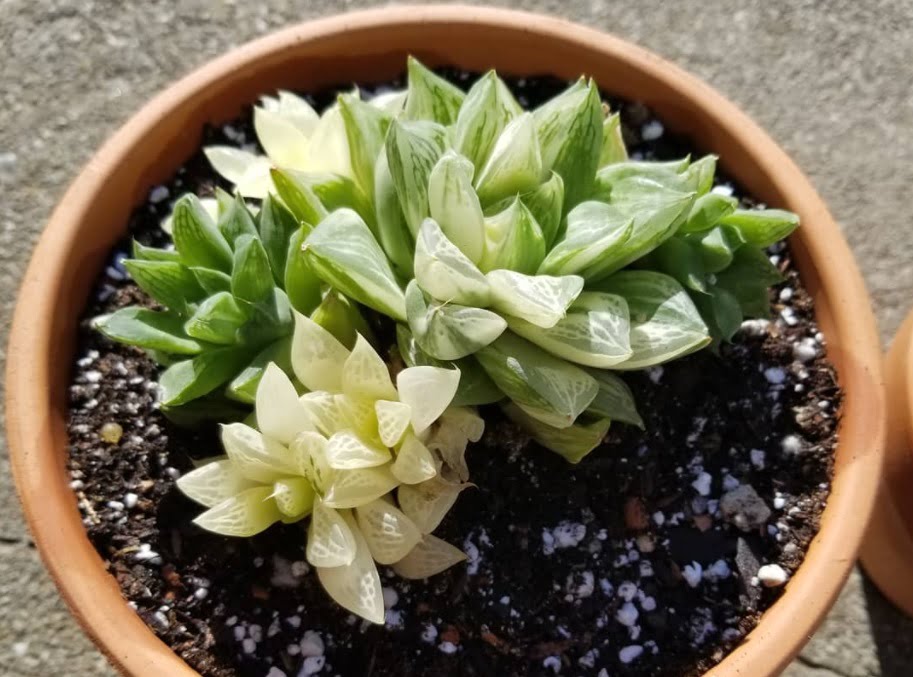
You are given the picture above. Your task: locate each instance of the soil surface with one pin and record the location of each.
(650, 557)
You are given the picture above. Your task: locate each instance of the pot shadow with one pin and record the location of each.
(892, 632)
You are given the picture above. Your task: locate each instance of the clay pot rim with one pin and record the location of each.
(33, 422)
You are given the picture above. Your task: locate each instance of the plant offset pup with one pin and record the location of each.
(375, 466)
(526, 249)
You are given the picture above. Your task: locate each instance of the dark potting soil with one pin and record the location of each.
(644, 559)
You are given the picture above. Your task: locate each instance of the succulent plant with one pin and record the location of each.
(374, 466)
(528, 250)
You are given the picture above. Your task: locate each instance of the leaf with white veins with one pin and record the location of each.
(445, 272)
(542, 300)
(455, 205)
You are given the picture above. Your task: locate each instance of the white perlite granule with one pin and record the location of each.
(772, 575)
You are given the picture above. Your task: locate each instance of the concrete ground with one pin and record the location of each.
(830, 81)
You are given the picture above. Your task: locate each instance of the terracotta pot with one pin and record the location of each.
(887, 551)
(373, 45)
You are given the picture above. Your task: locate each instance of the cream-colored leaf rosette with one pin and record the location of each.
(376, 466)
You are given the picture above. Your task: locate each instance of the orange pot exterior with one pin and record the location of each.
(887, 551)
(372, 45)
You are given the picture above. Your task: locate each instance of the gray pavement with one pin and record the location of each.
(830, 81)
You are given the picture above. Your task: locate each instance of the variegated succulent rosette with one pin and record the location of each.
(374, 466)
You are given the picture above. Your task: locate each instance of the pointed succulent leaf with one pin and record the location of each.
(249, 173)
(708, 211)
(430, 557)
(542, 300)
(352, 488)
(345, 451)
(392, 101)
(570, 134)
(455, 206)
(344, 254)
(513, 240)
(212, 281)
(256, 456)
(546, 204)
(342, 318)
(214, 482)
(445, 272)
(328, 148)
(678, 258)
(717, 247)
(251, 277)
(594, 333)
(748, 280)
(168, 282)
(331, 541)
(613, 145)
(669, 173)
(762, 227)
(359, 417)
(414, 462)
(412, 149)
(393, 233)
(235, 220)
(596, 231)
(336, 191)
(144, 253)
(721, 312)
(573, 442)
(189, 379)
(318, 357)
(448, 331)
(614, 400)
(294, 109)
(426, 504)
(285, 143)
(324, 411)
(428, 391)
(294, 497)
(701, 173)
(148, 329)
(515, 164)
(393, 420)
(280, 416)
(270, 319)
(197, 237)
(476, 387)
(243, 515)
(299, 196)
(431, 97)
(243, 387)
(547, 388)
(356, 586)
(307, 454)
(487, 110)
(301, 282)
(217, 320)
(664, 322)
(365, 375)
(366, 126)
(389, 533)
(276, 226)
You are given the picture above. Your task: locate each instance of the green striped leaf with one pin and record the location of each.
(594, 333)
(217, 320)
(596, 231)
(455, 206)
(144, 253)
(412, 149)
(344, 254)
(448, 331)
(664, 321)
(708, 210)
(748, 279)
(431, 97)
(717, 247)
(680, 259)
(393, 233)
(366, 127)
(487, 110)
(547, 388)
(573, 442)
(515, 163)
(301, 282)
(342, 318)
(212, 281)
(546, 204)
(251, 277)
(187, 380)
(613, 145)
(614, 400)
(243, 387)
(762, 227)
(235, 219)
(276, 225)
(298, 196)
(513, 240)
(148, 329)
(720, 311)
(197, 238)
(167, 282)
(444, 272)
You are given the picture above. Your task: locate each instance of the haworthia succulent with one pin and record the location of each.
(487, 110)
(412, 149)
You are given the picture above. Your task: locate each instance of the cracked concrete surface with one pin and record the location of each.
(830, 81)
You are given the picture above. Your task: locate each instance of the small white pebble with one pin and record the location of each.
(391, 597)
(275, 672)
(447, 648)
(786, 294)
(312, 665)
(429, 634)
(723, 189)
(20, 649)
(173, 473)
(158, 194)
(311, 644)
(552, 663)
(655, 374)
(240, 632)
(630, 653)
(648, 604)
(294, 621)
(627, 591)
(505, 600)
(200, 593)
(775, 375)
(730, 482)
(702, 484)
(161, 619)
(718, 570)
(76, 485)
(755, 327)
(627, 614)
(757, 458)
(130, 500)
(652, 130)
(805, 350)
(248, 645)
(692, 574)
(779, 502)
(772, 575)
(659, 518)
(791, 444)
(117, 506)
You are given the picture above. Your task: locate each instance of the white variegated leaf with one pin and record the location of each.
(595, 230)
(665, 324)
(429, 558)
(613, 145)
(328, 149)
(280, 414)
(308, 452)
(248, 172)
(426, 504)
(488, 108)
(595, 332)
(393, 419)
(365, 375)
(317, 356)
(539, 299)
(356, 586)
(214, 482)
(445, 272)
(430, 96)
(389, 533)
(331, 541)
(455, 206)
(324, 412)
(256, 457)
(246, 514)
(345, 451)
(515, 164)
(294, 496)
(391, 102)
(448, 331)
(352, 488)
(414, 462)
(284, 143)
(428, 391)
(573, 442)
(451, 434)
(412, 149)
